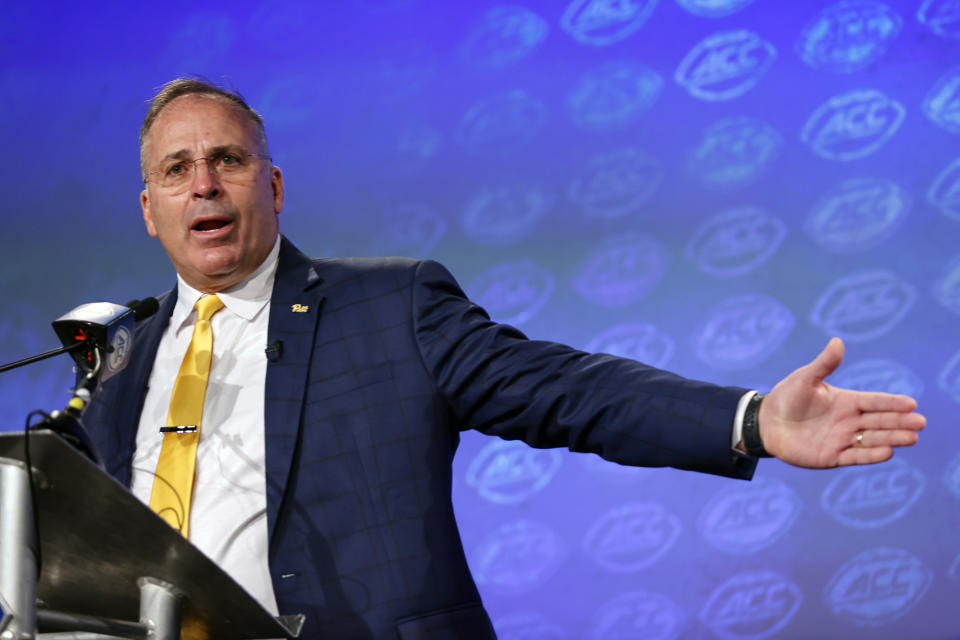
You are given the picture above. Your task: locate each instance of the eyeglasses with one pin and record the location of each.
(223, 164)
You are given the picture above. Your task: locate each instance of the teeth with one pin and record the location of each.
(211, 225)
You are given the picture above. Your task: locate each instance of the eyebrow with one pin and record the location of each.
(185, 154)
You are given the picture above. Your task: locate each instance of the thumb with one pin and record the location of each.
(828, 360)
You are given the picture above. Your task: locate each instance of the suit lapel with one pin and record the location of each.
(294, 311)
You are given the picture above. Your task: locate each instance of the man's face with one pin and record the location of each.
(218, 229)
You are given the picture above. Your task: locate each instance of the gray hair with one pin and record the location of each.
(196, 86)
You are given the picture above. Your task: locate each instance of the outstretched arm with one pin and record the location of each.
(809, 423)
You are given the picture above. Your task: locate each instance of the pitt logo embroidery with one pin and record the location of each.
(300, 308)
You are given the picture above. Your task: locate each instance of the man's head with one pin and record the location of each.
(211, 194)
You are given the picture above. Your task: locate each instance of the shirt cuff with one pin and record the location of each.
(737, 433)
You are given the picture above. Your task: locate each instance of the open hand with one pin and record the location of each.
(809, 423)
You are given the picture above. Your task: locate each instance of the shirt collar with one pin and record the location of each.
(246, 299)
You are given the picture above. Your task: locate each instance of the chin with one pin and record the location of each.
(217, 261)
(210, 274)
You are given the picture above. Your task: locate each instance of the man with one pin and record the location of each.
(322, 478)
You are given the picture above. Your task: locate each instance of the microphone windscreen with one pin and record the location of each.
(143, 309)
(146, 308)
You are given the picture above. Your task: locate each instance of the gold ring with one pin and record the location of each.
(860, 439)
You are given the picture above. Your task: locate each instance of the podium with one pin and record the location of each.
(110, 566)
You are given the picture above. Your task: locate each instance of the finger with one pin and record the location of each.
(828, 360)
(879, 401)
(891, 420)
(862, 455)
(869, 439)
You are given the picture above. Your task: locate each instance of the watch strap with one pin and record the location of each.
(751, 429)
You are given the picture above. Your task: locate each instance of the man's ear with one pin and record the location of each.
(276, 180)
(147, 216)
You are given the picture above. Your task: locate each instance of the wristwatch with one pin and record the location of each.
(751, 429)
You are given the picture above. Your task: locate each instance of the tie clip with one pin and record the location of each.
(185, 428)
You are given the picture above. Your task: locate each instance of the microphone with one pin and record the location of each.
(107, 331)
(274, 350)
(99, 337)
(143, 309)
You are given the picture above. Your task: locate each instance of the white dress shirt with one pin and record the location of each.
(228, 518)
(737, 435)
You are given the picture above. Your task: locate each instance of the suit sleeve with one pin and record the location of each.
(499, 382)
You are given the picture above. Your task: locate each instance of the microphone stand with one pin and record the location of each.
(42, 356)
(67, 423)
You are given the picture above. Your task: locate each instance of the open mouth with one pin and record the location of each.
(211, 224)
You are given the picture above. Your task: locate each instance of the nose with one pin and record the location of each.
(206, 183)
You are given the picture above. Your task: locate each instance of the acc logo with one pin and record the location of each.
(952, 476)
(868, 498)
(877, 586)
(603, 22)
(742, 330)
(949, 378)
(612, 95)
(848, 35)
(517, 556)
(503, 36)
(942, 16)
(504, 215)
(638, 614)
(734, 151)
(945, 191)
(405, 68)
(513, 292)
(216, 30)
(529, 626)
(616, 183)
(863, 305)
(751, 606)
(734, 242)
(858, 214)
(725, 65)
(290, 99)
(879, 375)
(415, 143)
(947, 288)
(642, 342)
(409, 230)
(508, 471)
(632, 537)
(746, 519)
(503, 123)
(942, 104)
(713, 8)
(621, 271)
(852, 125)
(119, 351)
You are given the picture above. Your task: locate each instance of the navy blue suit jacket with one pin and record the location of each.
(380, 367)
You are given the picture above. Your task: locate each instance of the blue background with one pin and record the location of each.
(564, 161)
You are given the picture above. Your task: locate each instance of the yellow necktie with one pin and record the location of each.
(173, 482)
